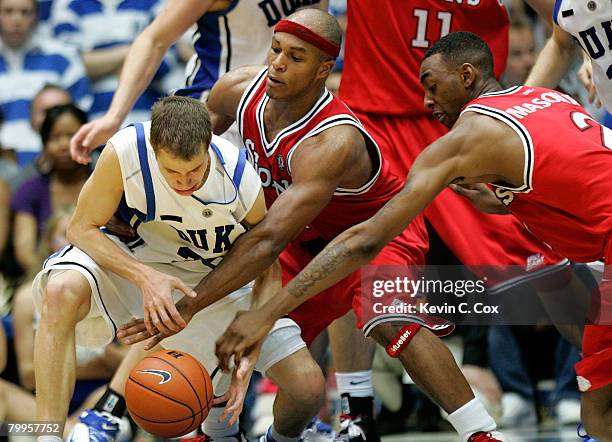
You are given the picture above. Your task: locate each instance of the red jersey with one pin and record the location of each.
(386, 41)
(272, 158)
(566, 197)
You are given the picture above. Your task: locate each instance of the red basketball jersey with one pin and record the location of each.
(566, 196)
(272, 158)
(386, 41)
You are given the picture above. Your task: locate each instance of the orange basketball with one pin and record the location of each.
(169, 393)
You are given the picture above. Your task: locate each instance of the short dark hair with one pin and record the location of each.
(180, 126)
(464, 47)
(51, 87)
(54, 113)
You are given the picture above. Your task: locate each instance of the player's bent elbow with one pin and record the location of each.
(368, 247)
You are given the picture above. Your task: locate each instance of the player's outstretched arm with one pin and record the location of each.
(434, 169)
(554, 60)
(97, 202)
(318, 167)
(142, 61)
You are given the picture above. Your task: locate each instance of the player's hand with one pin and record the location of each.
(92, 135)
(243, 334)
(481, 196)
(136, 330)
(585, 75)
(241, 375)
(160, 313)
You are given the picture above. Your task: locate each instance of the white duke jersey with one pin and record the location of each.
(190, 232)
(590, 23)
(240, 35)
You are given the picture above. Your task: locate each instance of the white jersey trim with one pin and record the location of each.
(523, 134)
(338, 120)
(270, 147)
(247, 95)
(509, 91)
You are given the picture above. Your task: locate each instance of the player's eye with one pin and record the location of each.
(276, 50)
(296, 59)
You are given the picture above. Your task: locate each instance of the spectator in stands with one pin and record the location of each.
(85, 24)
(50, 95)
(5, 203)
(521, 51)
(36, 199)
(15, 404)
(26, 64)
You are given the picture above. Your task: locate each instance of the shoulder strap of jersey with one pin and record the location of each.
(247, 98)
(146, 171)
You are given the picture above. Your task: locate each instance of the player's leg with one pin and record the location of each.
(106, 414)
(301, 394)
(596, 413)
(433, 369)
(352, 356)
(595, 380)
(66, 301)
(16, 404)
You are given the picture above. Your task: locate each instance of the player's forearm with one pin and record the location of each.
(552, 64)
(345, 254)
(249, 257)
(340, 258)
(106, 253)
(142, 61)
(267, 284)
(101, 62)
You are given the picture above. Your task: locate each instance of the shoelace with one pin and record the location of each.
(349, 427)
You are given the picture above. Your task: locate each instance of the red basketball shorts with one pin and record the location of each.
(408, 249)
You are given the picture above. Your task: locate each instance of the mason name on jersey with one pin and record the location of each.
(192, 232)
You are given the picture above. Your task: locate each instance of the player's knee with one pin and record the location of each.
(64, 298)
(383, 333)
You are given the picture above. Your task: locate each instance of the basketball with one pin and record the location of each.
(169, 393)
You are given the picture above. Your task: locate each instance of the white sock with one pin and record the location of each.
(49, 438)
(280, 438)
(470, 419)
(215, 429)
(355, 384)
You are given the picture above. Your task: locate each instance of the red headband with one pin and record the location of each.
(303, 33)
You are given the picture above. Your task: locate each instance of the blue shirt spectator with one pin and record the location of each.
(44, 18)
(103, 31)
(27, 63)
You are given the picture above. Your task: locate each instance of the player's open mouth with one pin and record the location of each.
(438, 115)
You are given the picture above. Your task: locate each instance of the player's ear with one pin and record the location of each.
(326, 68)
(467, 71)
